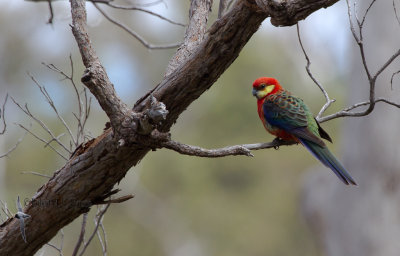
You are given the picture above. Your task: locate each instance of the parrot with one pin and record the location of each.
(288, 118)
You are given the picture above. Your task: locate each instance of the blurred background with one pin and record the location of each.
(280, 202)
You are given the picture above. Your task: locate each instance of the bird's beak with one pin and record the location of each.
(254, 92)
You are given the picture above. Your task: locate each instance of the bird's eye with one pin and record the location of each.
(262, 86)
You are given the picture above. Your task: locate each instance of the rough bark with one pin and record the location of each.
(97, 166)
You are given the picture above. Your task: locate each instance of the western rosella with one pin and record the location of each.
(288, 118)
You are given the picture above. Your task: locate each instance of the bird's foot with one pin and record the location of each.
(277, 141)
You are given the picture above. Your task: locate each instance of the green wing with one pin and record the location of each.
(290, 114)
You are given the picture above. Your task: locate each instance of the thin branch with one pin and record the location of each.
(99, 218)
(366, 12)
(115, 201)
(244, 149)
(371, 78)
(10, 150)
(83, 106)
(102, 243)
(136, 8)
(387, 63)
(346, 112)
(81, 235)
(42, 140)
(391, 79)
(134, 34)
(5, 209)
(328, 100)
(52, 105)
(36, 173)
(50, 21)
(152, 3)
(41, 123)
(3, 115)
(55, 248)
(359, 38)
(59, 249)
(395, 13)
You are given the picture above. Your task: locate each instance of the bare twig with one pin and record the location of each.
(244, 149)
(103, 241)
(5, 209)
(55, 248)
(83, 106)
(391, 79)
(3, 115)
(152, 3)
(50, 21)
(52, 105)
(36, 173)
(136, 8)
(116, 200)
(41, 123)
(371, 77)
(10, 150)
(327, 99)
(42, 140)
(346, 112)
(81, 235)
(134, 34)
(98, 220)
(395, 13)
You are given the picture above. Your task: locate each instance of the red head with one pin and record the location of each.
(265, 86)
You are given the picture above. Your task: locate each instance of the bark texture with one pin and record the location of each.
(97, 166)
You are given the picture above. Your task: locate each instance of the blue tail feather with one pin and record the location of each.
(328, 159)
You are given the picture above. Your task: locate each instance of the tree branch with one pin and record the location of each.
(134, 34)
(371, 78)
(198, 17)
(95, 77)
(244, 149)
(136, 8)
(328, 100)
(99, 164)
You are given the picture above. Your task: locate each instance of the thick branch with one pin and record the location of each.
(289, 12)
(198, 16)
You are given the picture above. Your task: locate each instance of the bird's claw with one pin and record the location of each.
(277, 141)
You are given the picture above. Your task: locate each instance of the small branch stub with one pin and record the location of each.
(152, 116)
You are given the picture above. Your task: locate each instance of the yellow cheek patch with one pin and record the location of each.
(265, 91)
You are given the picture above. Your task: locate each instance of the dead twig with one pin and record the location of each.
(36, 173)
(372, 77)
(391, 79)
(42, 140)
(134, 34)
(136, 8)
(327, 99)
(3, 115)
(10, 150)
(81, 235)
(98, 220)
(244, 149)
